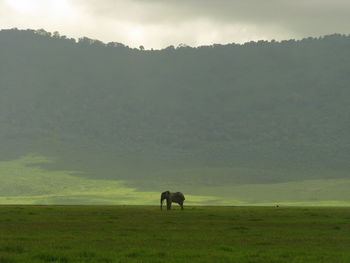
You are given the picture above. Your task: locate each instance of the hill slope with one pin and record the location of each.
(213, 116)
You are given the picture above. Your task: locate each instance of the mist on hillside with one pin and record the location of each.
(261, 122)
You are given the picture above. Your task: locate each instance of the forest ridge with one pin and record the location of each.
(267, 106)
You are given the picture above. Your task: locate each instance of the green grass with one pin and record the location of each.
(197, 234)
(26, 181)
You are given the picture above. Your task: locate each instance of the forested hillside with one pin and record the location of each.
(221, 115)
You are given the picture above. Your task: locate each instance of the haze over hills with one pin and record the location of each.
(211, 120)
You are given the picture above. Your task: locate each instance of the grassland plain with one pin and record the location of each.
(26, 181)
(197, 234)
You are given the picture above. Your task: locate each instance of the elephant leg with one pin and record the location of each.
(182, 205)
(168, 205)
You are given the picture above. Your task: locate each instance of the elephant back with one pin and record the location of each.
(178, 197)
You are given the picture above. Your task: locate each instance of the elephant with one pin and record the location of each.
(177, 197)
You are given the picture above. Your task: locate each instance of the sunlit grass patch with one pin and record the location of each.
(23, 181)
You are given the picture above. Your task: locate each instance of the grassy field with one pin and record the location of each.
(197, 234)
(26, 181)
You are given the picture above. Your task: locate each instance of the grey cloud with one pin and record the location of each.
(301, 17)
(195, 22)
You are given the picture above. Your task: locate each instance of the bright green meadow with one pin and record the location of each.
(27, 181)
(197, 234)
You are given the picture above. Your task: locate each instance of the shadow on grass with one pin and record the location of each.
(4, 259)
(15, 249)
(46, 257)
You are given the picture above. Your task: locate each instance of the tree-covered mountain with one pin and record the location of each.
(258, 113)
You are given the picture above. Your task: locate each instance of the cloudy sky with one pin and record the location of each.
(160, 23)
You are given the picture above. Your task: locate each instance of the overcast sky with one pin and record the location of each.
(160, 23)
